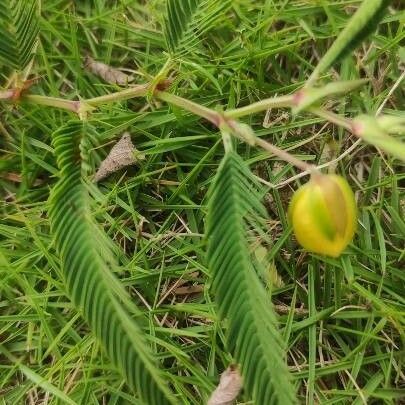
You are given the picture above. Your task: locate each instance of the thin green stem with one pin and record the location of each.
(287, 157)
(218, 119)
(332, 117)
(160, 77)
(69, 105)
(226, 140)
(75, 105)
(214, 117)
(6, 94)
(134, 91)
(191, 106)
(263, 105)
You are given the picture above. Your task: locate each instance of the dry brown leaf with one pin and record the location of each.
(190, 289)
(228, 388)
(17, 178)
(122, 154)
(106, 72)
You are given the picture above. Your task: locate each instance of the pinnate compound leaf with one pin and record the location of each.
(18, 32)
(187, 20)
(253, 335)
(87, 260)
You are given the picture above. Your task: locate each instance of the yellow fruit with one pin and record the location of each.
(323, 214)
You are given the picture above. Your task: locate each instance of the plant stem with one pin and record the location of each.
(226, 140)
(263, 105)
(6, 94)
(188, 105)
(160, 77)
(282, 154)
(218, 119)
(214, 117)
(69, 105)
(332, 117)
(134, 91)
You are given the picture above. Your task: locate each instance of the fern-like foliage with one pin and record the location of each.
(188, 20)
(253, 336)
(87, 260)
(18, 32)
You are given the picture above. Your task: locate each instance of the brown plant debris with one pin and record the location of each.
(122, 154)
(107, 73)
(228, 388)
(189, 289)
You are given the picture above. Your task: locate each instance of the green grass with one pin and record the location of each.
(342, 319)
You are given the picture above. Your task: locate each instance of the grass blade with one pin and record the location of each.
(360, 26)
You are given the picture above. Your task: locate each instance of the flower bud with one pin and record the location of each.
(323, 214)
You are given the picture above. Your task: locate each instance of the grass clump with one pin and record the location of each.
(340, 321)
